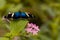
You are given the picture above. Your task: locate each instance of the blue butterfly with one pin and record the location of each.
(17, 15)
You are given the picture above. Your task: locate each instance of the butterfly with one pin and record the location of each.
(17, 15)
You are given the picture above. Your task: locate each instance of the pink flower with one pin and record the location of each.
(28, 30)
(32, 28)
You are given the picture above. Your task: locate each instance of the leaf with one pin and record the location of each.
(17, 26)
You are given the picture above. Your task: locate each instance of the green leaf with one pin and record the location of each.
(17, 26)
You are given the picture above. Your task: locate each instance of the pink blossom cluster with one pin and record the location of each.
(32, 28)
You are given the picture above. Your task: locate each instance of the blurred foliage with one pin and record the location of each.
(2, 38)
(47, 16)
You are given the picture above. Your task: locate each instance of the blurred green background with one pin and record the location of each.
(47, 13)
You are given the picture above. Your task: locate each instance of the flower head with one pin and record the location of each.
(32, 28)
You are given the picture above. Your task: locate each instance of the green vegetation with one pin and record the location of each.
(47, 13)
